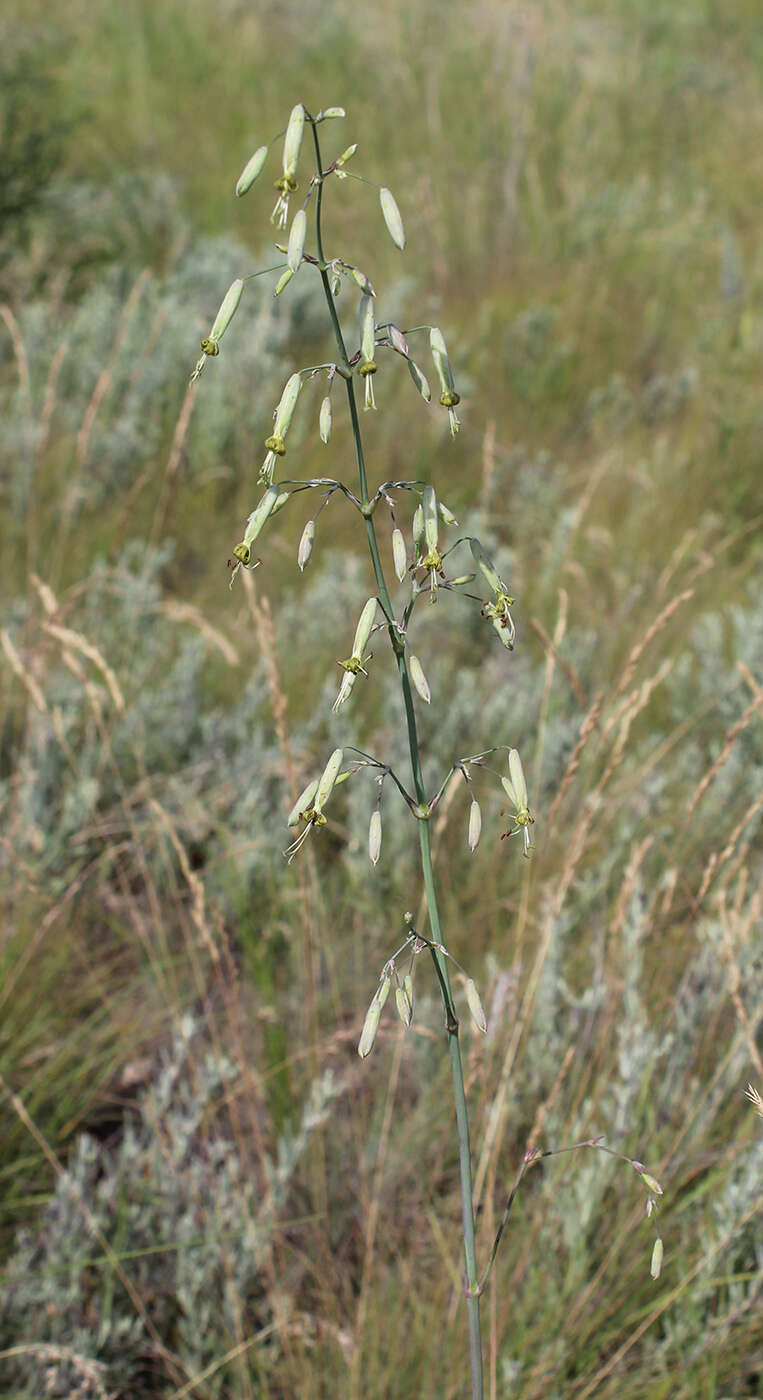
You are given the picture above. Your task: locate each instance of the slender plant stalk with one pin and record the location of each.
(459, 1093)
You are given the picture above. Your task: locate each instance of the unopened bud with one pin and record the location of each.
(475, 1006)
(282, 282)
(306, 545)
(324, 420)
(475, 825)
(392, 218)
(293, 140)
(408, 984)
(418, 530)
(420, 381)
(404, 1008)
(651, 1184)
(370, 1027)
(399, 553)
(333, 112)
(382, 991)
(297, 239)
(303, 803)
(281, 500)
(375, 836)
(362, 281)
(419, 679)
(655, 1267)
(251, 170)
(225, 314)
(397, 340)
(348, 154)
(446, 515)
(327, 780)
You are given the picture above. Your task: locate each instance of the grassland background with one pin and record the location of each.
(202, 1190)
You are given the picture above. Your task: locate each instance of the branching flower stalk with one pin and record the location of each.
(424, 571)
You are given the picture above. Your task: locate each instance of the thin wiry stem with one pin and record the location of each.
(398, 646)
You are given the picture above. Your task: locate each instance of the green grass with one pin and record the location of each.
(580, 187)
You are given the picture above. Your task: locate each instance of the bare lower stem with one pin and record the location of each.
(398, 645)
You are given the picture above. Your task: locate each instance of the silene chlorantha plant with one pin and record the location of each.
(421, 566)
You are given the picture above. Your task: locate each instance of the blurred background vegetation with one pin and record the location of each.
(202, 1190)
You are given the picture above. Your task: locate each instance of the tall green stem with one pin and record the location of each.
(398, 645)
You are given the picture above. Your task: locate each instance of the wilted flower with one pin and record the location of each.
(211, 343)
(354, 663)
(449, 396)
(367, 346)
(287, 184)
(515, 788)
(312, 810)
(284, 413)
(498, 610)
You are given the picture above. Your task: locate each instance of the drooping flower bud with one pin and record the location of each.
(408, 985)
(282, 282)
(397, 340)
(331, 112)
(446, 515)
(418, 530)
(475, 825)
(362, 281)
(419, 679)
(368, 1033)
(375, 836)
(655, 1267)
(347, 155)
(399, 553)
(303, 803)
(251, 170)
(306, 545)
(324, 420)
(392, 218)
(486, 567)
(404, 1008)
(475, 1006)
(281, 499)
(297, 239)
(420, 381)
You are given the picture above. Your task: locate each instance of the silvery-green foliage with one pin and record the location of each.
(191, 1217)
